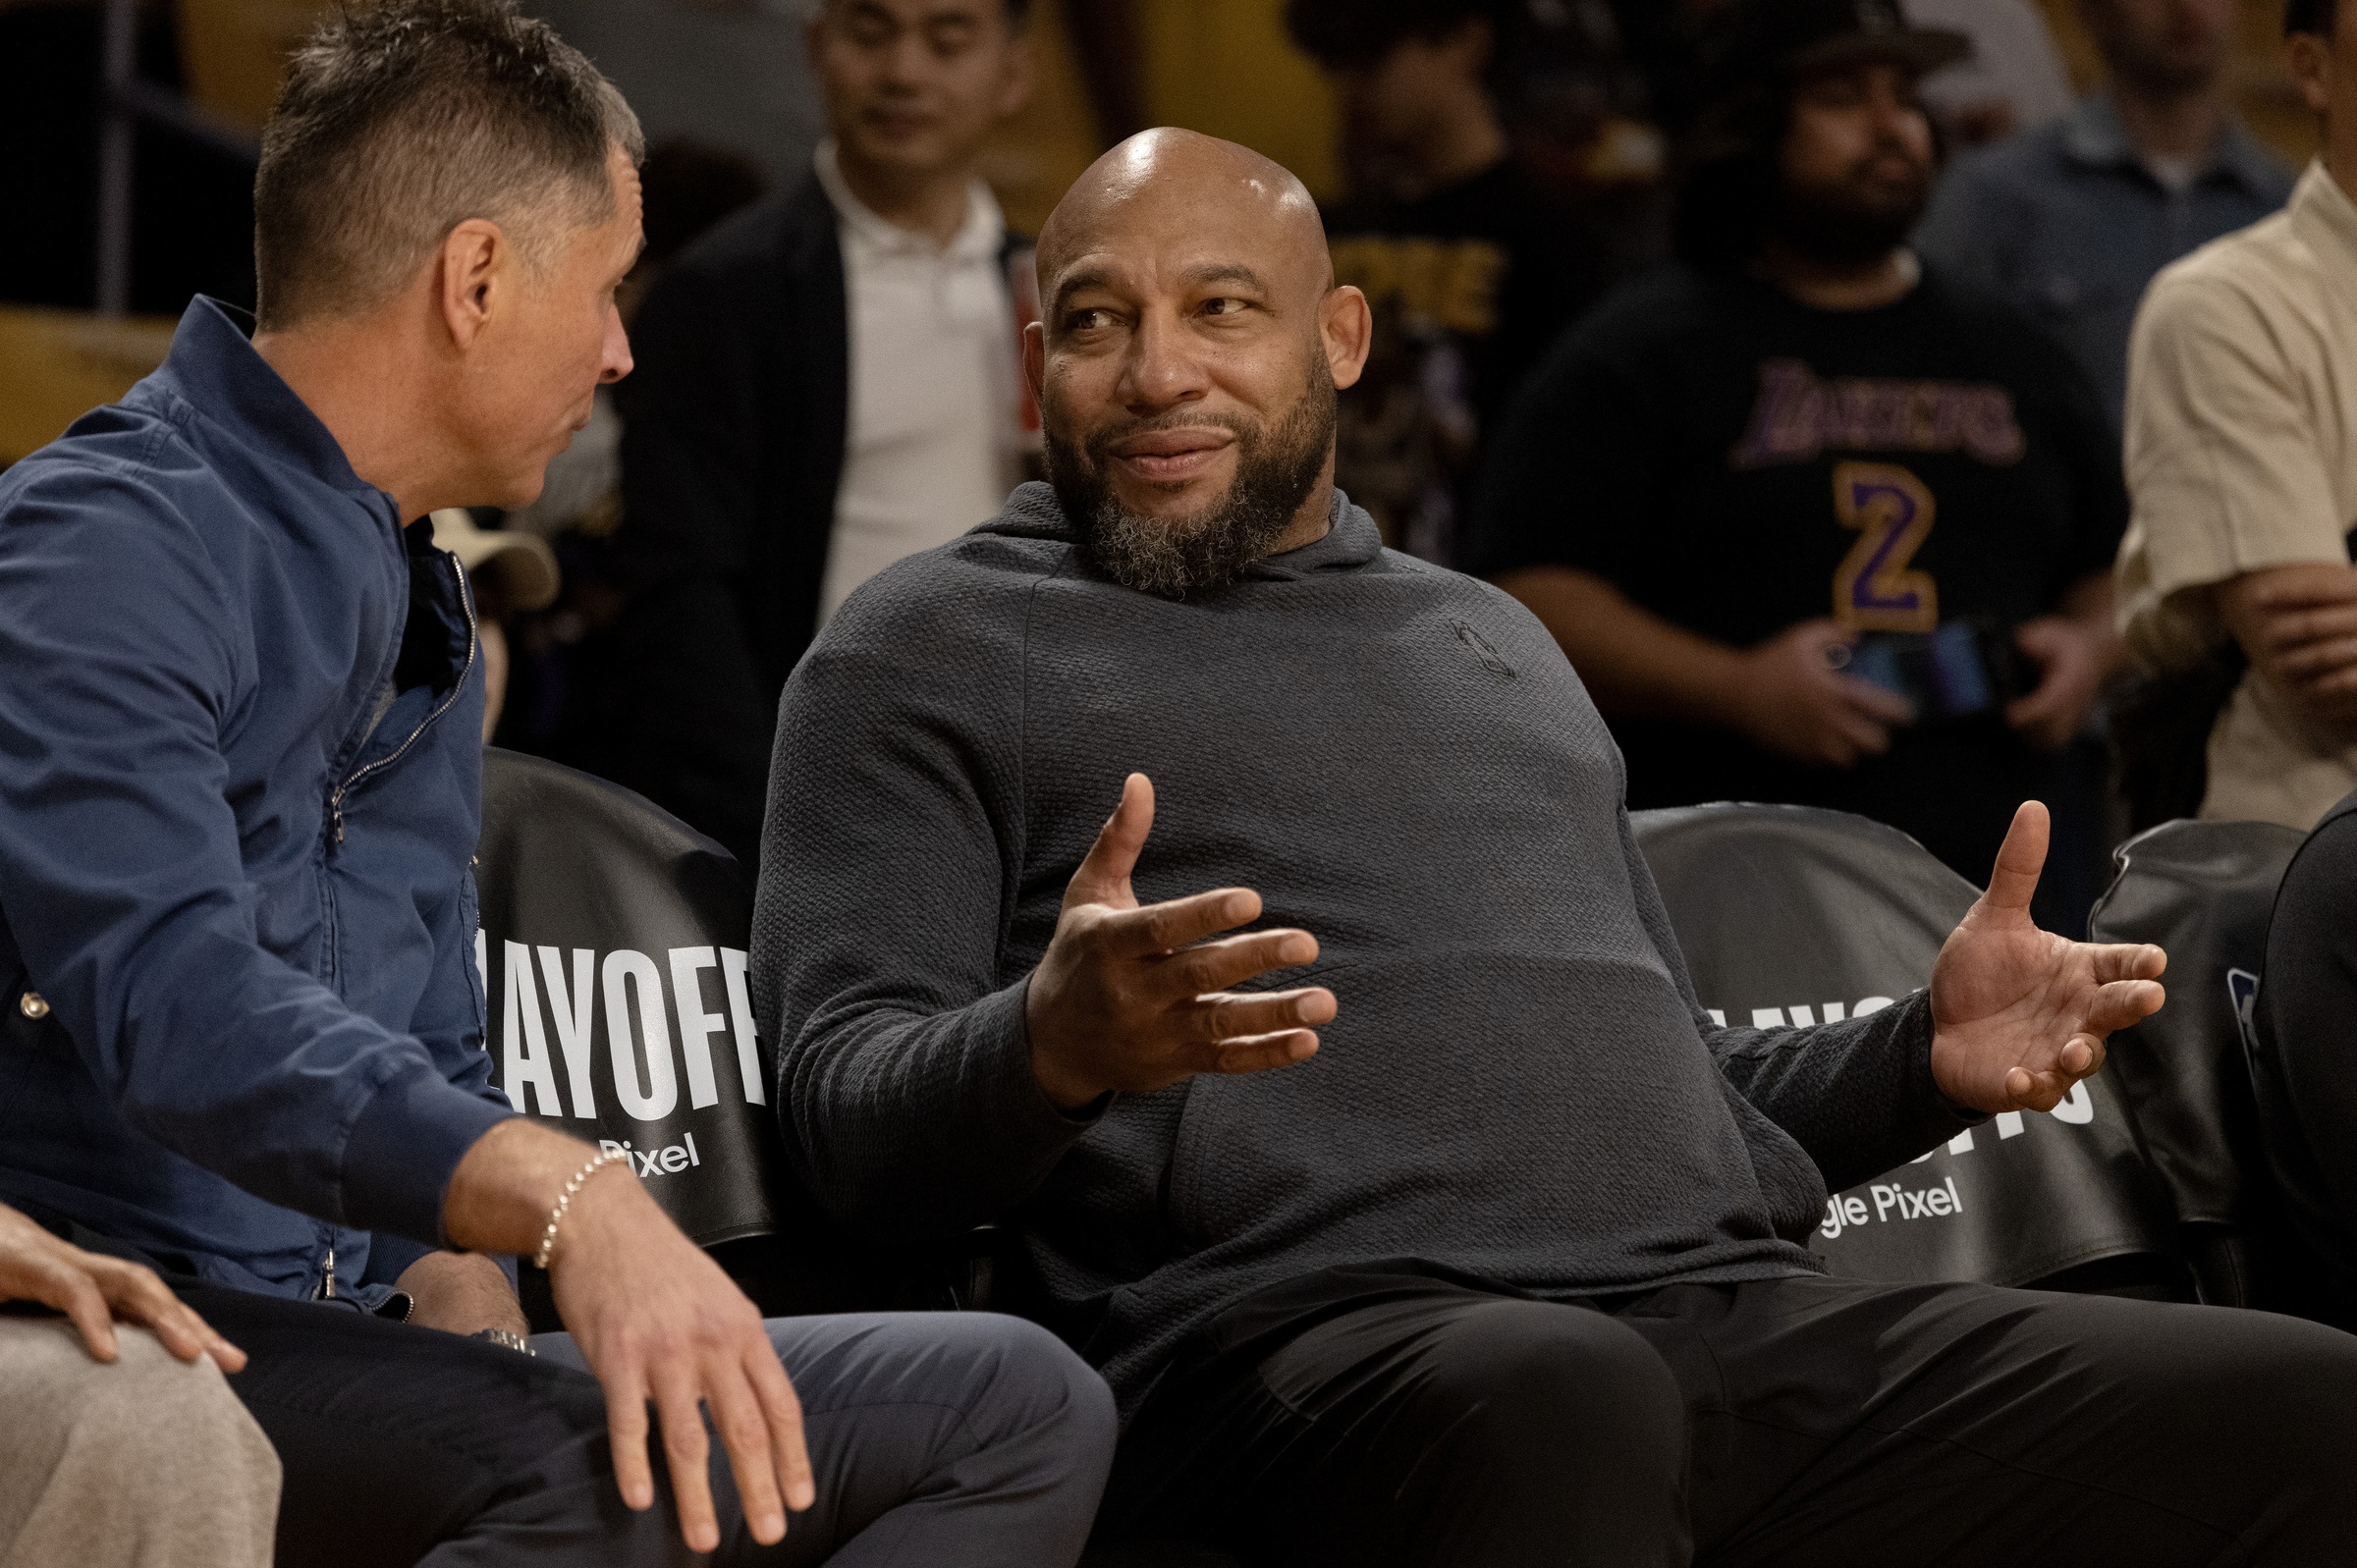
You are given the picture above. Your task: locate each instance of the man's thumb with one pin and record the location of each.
(1103, 871)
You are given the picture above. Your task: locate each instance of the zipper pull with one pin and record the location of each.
(337, 805)
(327, 1285)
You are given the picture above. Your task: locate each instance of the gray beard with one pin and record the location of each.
(1211, 548)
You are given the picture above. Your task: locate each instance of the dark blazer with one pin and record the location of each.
(734, 424)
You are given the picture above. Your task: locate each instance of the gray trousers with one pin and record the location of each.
(935, 1437)
(965, 1438)
(146, 1462)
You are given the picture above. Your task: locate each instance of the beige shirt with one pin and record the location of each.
(2242, 455)
(935, 386)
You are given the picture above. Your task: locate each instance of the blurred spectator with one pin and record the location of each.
(508, 572)
(2013, 81)
(1664, 41)
(1469, 269)
(2235, 582)
(826, 382)
(690, 185)
(2070, 221)
(559, 662)
(1797, 405)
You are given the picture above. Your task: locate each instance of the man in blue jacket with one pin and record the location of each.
(240, 774)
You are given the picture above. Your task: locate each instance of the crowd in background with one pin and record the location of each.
(1815, 473)
(1871, 425)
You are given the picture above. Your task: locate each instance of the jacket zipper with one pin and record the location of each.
(334, 802)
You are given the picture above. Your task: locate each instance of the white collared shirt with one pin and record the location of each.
(935, 392)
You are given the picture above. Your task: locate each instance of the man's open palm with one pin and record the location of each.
(1134, 999)
(2020, 1015)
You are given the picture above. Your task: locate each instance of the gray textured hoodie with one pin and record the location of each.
(1521, 1084)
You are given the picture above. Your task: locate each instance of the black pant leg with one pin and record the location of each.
(1844, 1424)
(1449, 1426)
(401, 1445)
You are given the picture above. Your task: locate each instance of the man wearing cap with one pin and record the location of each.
(1816, 522)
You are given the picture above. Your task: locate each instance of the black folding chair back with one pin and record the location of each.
(612, 951)
(1790, 914)
(2204, 890)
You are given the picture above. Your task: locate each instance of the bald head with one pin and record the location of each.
(1169, 180)
(1191, 344)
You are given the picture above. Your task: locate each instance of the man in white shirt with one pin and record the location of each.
(826, 382)
(2242, 463)
(935, 396)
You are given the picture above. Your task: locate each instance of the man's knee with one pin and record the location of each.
(147, 1410)
(2287, 1387)
(1010, 1381)
(1023, 1376)
(1554, 1392)
(147, 1448)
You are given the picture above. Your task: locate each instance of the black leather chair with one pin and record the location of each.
(591, 897)
(2205, 891)
(1789, 914)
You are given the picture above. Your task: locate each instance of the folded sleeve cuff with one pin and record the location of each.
(405, 1145)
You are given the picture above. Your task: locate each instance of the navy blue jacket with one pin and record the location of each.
(241, 773)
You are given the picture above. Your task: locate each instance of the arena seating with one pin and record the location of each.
(2191, 1076)
(1790, 914)
(571, 865)
(594, 902)
(590, 895)
(62, 363)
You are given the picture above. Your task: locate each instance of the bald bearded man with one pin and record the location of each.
(1507, 1269)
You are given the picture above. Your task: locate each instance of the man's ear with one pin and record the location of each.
(2310, 60)
(475, 261)
(1035, 362)
(1346, 323)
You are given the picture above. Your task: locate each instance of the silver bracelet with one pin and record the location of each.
(556, 1216)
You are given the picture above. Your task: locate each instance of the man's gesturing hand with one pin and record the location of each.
(2019, 1015)
(657, 1320)
(1132, 999)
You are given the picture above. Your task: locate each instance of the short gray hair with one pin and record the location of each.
(402, 120)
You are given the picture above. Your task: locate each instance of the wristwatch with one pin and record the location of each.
(504, 1339)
